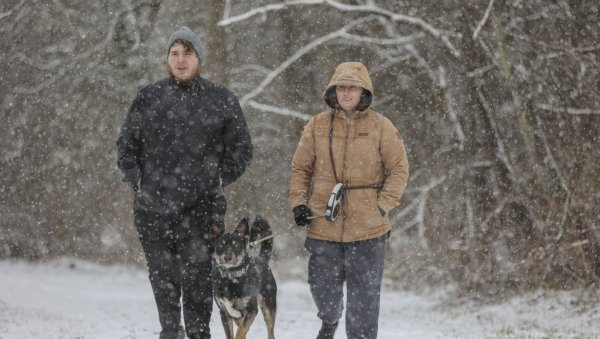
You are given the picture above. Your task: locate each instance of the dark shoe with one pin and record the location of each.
(327, 331)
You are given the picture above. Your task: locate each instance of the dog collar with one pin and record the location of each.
(233, 274)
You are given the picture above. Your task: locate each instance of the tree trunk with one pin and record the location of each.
(216, 43)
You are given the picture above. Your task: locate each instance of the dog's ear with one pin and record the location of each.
(217, 229)
(243, 227)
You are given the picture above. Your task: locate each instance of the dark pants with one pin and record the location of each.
(178, 253)
(358, 264)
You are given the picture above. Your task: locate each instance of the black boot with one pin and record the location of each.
(327, 331)
(179, 334)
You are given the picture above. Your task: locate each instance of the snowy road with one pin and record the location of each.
(83, 300)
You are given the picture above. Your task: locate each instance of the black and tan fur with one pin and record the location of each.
(242, 283)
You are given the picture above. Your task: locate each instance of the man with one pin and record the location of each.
(348, 144)
(183, 140)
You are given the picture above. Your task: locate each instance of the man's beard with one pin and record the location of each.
(187, 82)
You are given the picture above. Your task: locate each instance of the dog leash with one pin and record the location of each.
(256, 242)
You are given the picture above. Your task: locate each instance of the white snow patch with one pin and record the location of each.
(76, 299)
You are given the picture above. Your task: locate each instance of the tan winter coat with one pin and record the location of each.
(367, 149)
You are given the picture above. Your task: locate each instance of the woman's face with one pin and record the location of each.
(348, 96)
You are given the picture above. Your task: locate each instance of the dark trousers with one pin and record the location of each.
(178, 254)
(358, 264)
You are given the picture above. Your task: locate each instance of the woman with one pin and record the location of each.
(360, 153)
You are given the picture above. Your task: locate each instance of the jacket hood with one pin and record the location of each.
(350, 74)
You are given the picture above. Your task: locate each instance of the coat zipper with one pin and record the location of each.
(348, 120)
(179, 178)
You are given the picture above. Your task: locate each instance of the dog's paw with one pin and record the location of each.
(227, 306)
(234, 313)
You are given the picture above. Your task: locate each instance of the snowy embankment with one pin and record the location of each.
(74, 299)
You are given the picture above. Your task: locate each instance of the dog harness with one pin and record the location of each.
(235, 272)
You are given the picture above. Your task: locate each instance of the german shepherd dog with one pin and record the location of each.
(241, 282)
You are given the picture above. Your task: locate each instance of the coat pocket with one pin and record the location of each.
(318, 199)
(362, 206)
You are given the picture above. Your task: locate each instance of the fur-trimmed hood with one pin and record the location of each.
(350, 74)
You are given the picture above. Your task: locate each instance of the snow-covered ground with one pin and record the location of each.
(75, 299)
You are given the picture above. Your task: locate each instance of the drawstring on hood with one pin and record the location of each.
(350, 74)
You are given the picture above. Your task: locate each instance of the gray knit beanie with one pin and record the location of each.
(185, 33)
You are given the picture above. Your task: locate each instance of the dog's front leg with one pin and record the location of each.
(243, 325)
(227, 324)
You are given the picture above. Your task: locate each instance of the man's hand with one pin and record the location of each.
(135, 186)
(217, 225)
(301, 215)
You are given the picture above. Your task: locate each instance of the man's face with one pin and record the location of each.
(183, 64)
(348, 96)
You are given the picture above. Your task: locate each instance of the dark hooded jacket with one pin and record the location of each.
(184, 143)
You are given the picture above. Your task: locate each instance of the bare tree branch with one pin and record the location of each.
(420, 202)
(480, 71)
(279, 110)
(299, 53)
(227, 20)
(450, 105)
(568, 110)
(43, 85)
(370, 8)
(134, 31)
(500, 149)
(483, 20)
(226, 9)
(549, 159)
(421, 61)
(9, 12)
(67, 63)
(495, 212)
(379, 41)
(471, 227)
(256, 68)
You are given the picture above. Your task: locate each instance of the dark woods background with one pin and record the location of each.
(498, 102)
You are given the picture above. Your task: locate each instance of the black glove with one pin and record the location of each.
(301, 215)
(216, 213)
